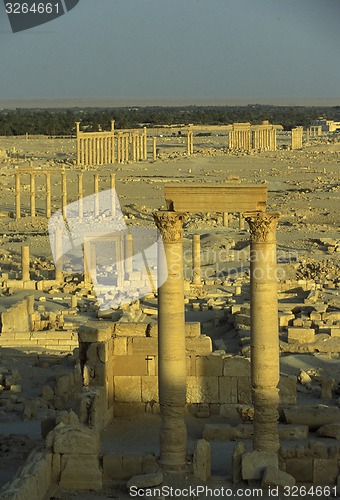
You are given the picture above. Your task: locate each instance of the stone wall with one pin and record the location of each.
(18, 317)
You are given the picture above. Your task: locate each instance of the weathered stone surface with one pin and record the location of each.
(298, 335)
(238, 452)
(311, 416)
(76, 439)
(274, 477)
(146, 480)
(80, 472)
(202, 460)
(255, 463)
(325, 471)
(330, 430)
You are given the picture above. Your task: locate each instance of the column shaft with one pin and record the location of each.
(17, 196)
(196, 259)
(171, 343)
(48, 195)
(32, 195)
(264, 330)
(25, 263)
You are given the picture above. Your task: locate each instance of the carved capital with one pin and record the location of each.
(170, 225)
(262, 226)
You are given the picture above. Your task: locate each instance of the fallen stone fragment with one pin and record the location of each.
(146, 480)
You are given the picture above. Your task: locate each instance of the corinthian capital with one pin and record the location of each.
(262, 226)
(170, 225)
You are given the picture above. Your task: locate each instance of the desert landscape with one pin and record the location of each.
(79, 401)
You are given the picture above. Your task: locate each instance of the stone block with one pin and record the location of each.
(330, 430)
(236, 366)
(301, 469)
(244, 390)
(145, 346)
(145, 481)
(274, 477)
(149, 389)
(287, 390)
(128, 389)
(193, 329)
(335, 331)
(238, 452)
(202, 460)
(191, 365)
(130, 329)
(255, 463)
(132, 365)
(208, 366)
(95, 331)
(228, 391)
(80, 472)
(113, 466)
(119, 346)
(76, 439)
(311, 416)
(298, 335)
(56, 464)
(201, 345)
(132, 465)
(128, 409)
(202, 390)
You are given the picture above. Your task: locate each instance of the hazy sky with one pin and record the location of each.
(171, 50)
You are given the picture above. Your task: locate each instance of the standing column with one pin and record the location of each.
(113, 195)
(145, 149)
(17, 196)
(78, 143)
(25, 263)
(171, 342)
(119, 151)
(48, 195)
(32, 175)
(226, 219)
(241, 222)
(141, 155)
(58, 249)
(64, 194)
(80, 196)
(154, 154)
(128, 253)
(188, 143)
(96, 196)
(265, 370)
(196, 259)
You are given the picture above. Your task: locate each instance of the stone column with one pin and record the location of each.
(226, 219)
(154, 150)
(17, 196)
(64, 194)
(80, 196)
(265, 371)
(171, 343)
(48, 195)
(141, 154)
(241, 221)
(113, 195)
(145, 149)
(78, 143)
(25, 263)
(189, 142)
(58, 250)
(32, 175)
(196, 259)
(128, 253)
(119, 150)
(96, 195)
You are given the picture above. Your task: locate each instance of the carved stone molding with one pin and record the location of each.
(170, 225)
(262, 226)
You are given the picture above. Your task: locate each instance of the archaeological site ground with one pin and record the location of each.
(170, 313)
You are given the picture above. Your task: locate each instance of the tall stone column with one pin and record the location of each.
(113, 194)
(141, 153)
(32, 176)
(265, 369)
(48, 195)
(128, 253)
(188, 143)
(25, 263)
(58, 250)
(17, 196)
(96, 194)
(145, 148)
(80, 196)
(78, 143)
(171, 343)
(64, 194)
(226, 219)
(196, 259)
(119, 146)
(154, 149)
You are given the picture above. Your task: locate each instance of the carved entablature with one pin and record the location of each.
(262, 226)
(170, 225)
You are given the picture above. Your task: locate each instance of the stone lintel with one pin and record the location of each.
(216, 198)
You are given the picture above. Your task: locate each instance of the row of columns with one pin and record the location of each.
(171, 335)
(239, 136)
(263, 138)
(314, 131)
(95, 148)
(297, 135)
(63, 194)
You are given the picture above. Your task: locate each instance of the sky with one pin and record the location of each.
(177, 51)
